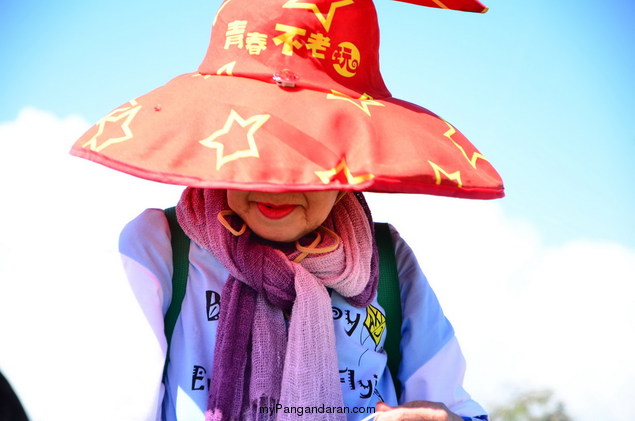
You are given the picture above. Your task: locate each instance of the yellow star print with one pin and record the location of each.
(364, 101)
(324, 20)
(127, 114)
(342, 168)
(455, 176)
(254, 123)
(451, 131)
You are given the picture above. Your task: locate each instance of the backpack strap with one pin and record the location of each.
(389, 297)
(388, 292)
(180, 267)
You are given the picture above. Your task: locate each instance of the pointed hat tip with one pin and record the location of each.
(474, 6)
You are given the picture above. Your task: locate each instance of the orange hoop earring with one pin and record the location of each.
(221, 218)
(304, 250)
(312, 249)
(340, 196)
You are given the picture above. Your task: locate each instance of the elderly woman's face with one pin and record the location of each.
(282, 217)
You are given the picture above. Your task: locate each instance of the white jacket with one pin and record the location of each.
(432, 364)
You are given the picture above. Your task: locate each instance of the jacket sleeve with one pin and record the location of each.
(432, 366)
(144, 245)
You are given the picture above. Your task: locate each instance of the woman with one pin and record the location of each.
(287, 110)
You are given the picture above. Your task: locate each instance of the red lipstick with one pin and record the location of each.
(272, 211)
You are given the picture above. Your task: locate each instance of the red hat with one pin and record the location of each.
(290, 97)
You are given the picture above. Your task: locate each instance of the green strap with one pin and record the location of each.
(388, 296)
(180, 267)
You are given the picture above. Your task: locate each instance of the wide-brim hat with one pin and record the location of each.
(289, 97)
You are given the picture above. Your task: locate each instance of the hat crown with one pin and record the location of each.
(324, 45)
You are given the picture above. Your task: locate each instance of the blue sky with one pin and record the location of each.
(544, 89)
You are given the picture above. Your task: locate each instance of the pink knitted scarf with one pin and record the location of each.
(257, 361)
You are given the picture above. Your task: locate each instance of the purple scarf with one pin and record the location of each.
(255, 364)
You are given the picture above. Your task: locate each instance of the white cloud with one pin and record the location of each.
(529, 316)
(66, 310)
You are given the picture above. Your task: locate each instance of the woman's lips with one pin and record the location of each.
(275, 211)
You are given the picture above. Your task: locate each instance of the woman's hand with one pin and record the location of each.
(415, 411)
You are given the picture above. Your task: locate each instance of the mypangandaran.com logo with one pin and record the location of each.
(322, 409)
